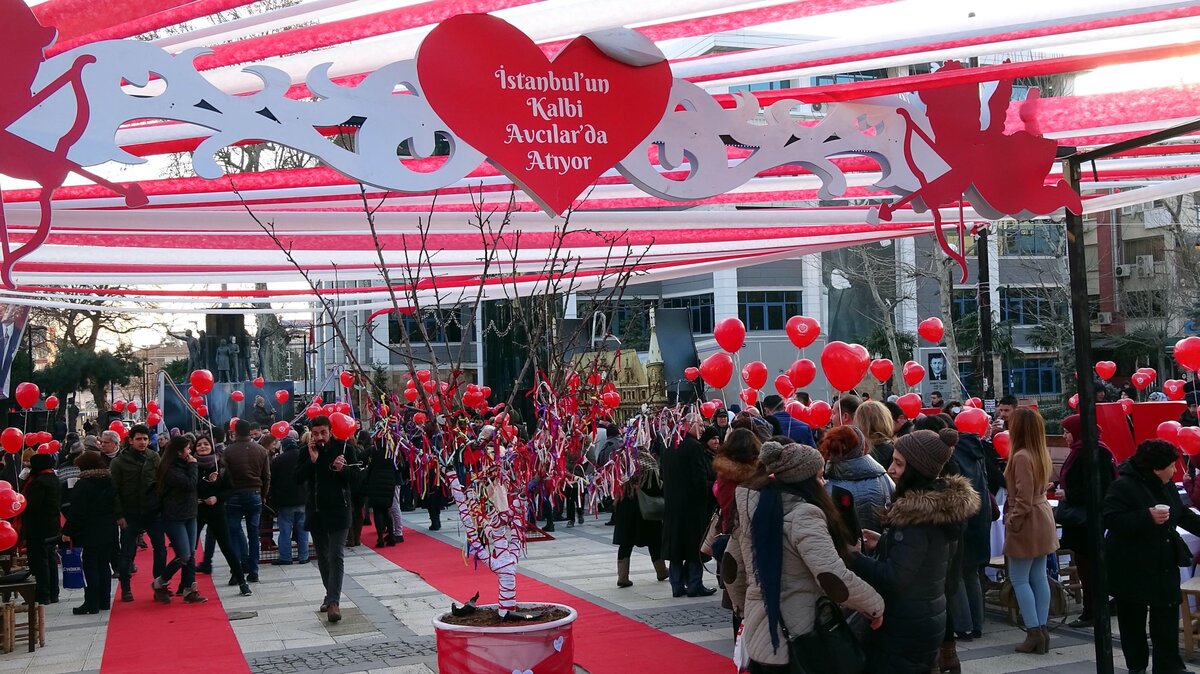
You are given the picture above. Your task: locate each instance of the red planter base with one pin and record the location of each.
(545, 648)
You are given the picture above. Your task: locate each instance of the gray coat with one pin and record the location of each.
(868, 482)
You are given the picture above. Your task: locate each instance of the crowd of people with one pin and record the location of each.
(185, 495)
(754, 491)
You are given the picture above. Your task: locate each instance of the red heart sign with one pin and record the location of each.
(552, 126)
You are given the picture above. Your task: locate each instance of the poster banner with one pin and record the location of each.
(13, 319)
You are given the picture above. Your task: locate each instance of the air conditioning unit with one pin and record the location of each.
(818, 108)
(1145, 265)
(1104, 318)
(1124, 271)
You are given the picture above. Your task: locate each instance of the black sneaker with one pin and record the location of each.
(280, 562)
(244, 588)
(205, 568)
(233, 581)
(252, 577)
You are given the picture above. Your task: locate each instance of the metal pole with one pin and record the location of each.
(1087, 413)
(985, 316)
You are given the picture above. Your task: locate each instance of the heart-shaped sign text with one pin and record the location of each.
(552, 126)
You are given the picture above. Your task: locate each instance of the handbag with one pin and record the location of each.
(72, 568)
(1070, 515)
(830, 648)
(651, 507)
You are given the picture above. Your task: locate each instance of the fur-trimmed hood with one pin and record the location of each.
(734, 471)
(952, 501)
(95, 472)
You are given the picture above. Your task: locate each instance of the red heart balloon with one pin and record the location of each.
(1073, 402)
(8, 535)
(259, 382)
(1105, 369)
(281, 396)
(342, 407)
(202, 410)
(346, 378)
(802, 373)
(1127, 406)
(202, 380)
(749, 396)
(341, 426)
(797, 410)
(237, 396)
(553, 127)
(931, 329)
(152, 406)
(118, 406)
(974, 402)
(1169, 431)
(1189, 440)
(691, 373)
(882, 368)
(802, 330)
(132, 406)
(280, 429)
(730, 334)
(27, 394)
(1149, 371)
(755, 374)
(819, 414)
(784, 385)
(913, 372)
(1140, 380)
(1187, 353)
(52, 403)
(717, 370)
(153, 419)
(708, 409)
(1002, 444)
(1174, 388)
(910, 404)
(972, 420)
(312, 411)
(612, 399)
(844, 365)
(424, 375)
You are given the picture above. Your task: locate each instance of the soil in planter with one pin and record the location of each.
(490, 617)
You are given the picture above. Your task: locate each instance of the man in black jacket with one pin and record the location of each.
(287, 498)
(326, 475)
(40, 526)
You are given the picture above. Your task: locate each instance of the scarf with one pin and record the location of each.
(766, 535)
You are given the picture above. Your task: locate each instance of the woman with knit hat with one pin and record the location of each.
(852, 469)
(927, 516)
(1029, 531)
(1072, 506)
(784, 554)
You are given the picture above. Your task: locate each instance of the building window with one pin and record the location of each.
(443, 327)
(1025, 306)
(762, 86)
(963, 303)
(1143, 304)
(701, 308)
(848, 78)
(1029, 239)
(1033, 377)
(768, 309)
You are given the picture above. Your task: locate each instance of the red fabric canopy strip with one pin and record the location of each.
(937, 80)
(308, 38)
(1128, 20)
(717, 23)
(73, 18)
(151, 20)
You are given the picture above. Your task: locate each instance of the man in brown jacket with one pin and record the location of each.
(249, 469)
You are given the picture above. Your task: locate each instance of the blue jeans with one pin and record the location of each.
(182, 535)
(686, 576)
(1031, 585)
(243, 510)
(291, 525)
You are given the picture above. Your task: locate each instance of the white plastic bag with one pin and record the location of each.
(741, 659)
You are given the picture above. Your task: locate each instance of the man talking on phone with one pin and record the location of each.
(326, 475)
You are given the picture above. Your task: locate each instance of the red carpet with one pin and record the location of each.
(605, 641)
(145, 636)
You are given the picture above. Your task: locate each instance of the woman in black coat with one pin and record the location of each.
(176, 481)
(630, 529)
(381, 481)
(1141, 512)
(1072, 507)
(688, 479)
(913, 554)
(92, 525)
(212, 487)
(40, 525)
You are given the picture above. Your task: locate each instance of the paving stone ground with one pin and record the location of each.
(386, 627)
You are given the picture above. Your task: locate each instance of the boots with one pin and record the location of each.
(623, 573)
(1035, 641)
(947, 659)
(193, 596)
(1045, 640)
(660, 567)
(379, 540)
